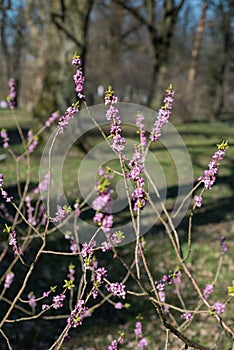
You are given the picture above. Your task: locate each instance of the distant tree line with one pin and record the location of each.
(138, 47)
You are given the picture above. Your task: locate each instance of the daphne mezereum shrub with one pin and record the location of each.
(32, 221)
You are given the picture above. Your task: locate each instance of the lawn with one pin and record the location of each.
(212, 221)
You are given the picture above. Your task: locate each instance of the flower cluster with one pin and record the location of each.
(12, 240)
(103, 202)
(163, 115)
(140, 125)
(73, 243)
(43, 185)
(78, 76)
(113, 241)
(65, 119)
(87, 254)
(186, 316)
(198, 201)
(137, 163)
(77, 315)
(73, 109)
(100, 274)
(32, 141)
(114, 343)
(62, 213)
(71, 273)
(3, 192)
(9, 279)
(174, 278)
(5, 138)
(210, 174)
(112, 115)
(218, 308)
(208, 290)
(11, 98)
(30, 211)
(51, 119)
(32, 300)
(1, 180)
(117, 289)
(223, 245)
(142, 341)
(58, 301)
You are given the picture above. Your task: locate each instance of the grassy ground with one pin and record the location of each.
(214, 220)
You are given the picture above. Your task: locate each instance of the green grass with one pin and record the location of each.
(214, 220)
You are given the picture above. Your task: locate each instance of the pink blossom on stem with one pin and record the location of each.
(3, 192)
(78, 76)
(112, 114)
(43, 185)
(1, 180)
(138, 329)
(58, 301)
(140, 125)
(113, 346)
(186, 316)
(211, 173)
(30, 211)
(72, 272)
(65, 119)
(198, 201)
(163, 115)
(5, 138)
(142, 343)
(118, 306)
(32, 140)
(11, 98)
(52, 119)
(78, 314)
(223, 245)
(218, 307)
(13, 241)
(118, 289)
(9, 279)
(208, 290)
(31, 300)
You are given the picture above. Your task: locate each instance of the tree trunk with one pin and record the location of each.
(196, 48)
(67, 30)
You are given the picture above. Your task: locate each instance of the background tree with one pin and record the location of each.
(12, 30)
(160, 31)
(66, 26)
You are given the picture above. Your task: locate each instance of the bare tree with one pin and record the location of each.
(67, 31)
(197, 46)
(160, 32)
(226, 9)
(12, 21)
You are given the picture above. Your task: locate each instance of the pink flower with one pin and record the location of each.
(118, 289)
(218, 307)
(5, 138)
(58, 301)
(163, 115)
(208, 290)
(118, 306)
(210, 174)
(198, 201)
(138, 329)
(142, 343)
(32, 300)
(9, 279)
(11, 98)
(186, 316)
